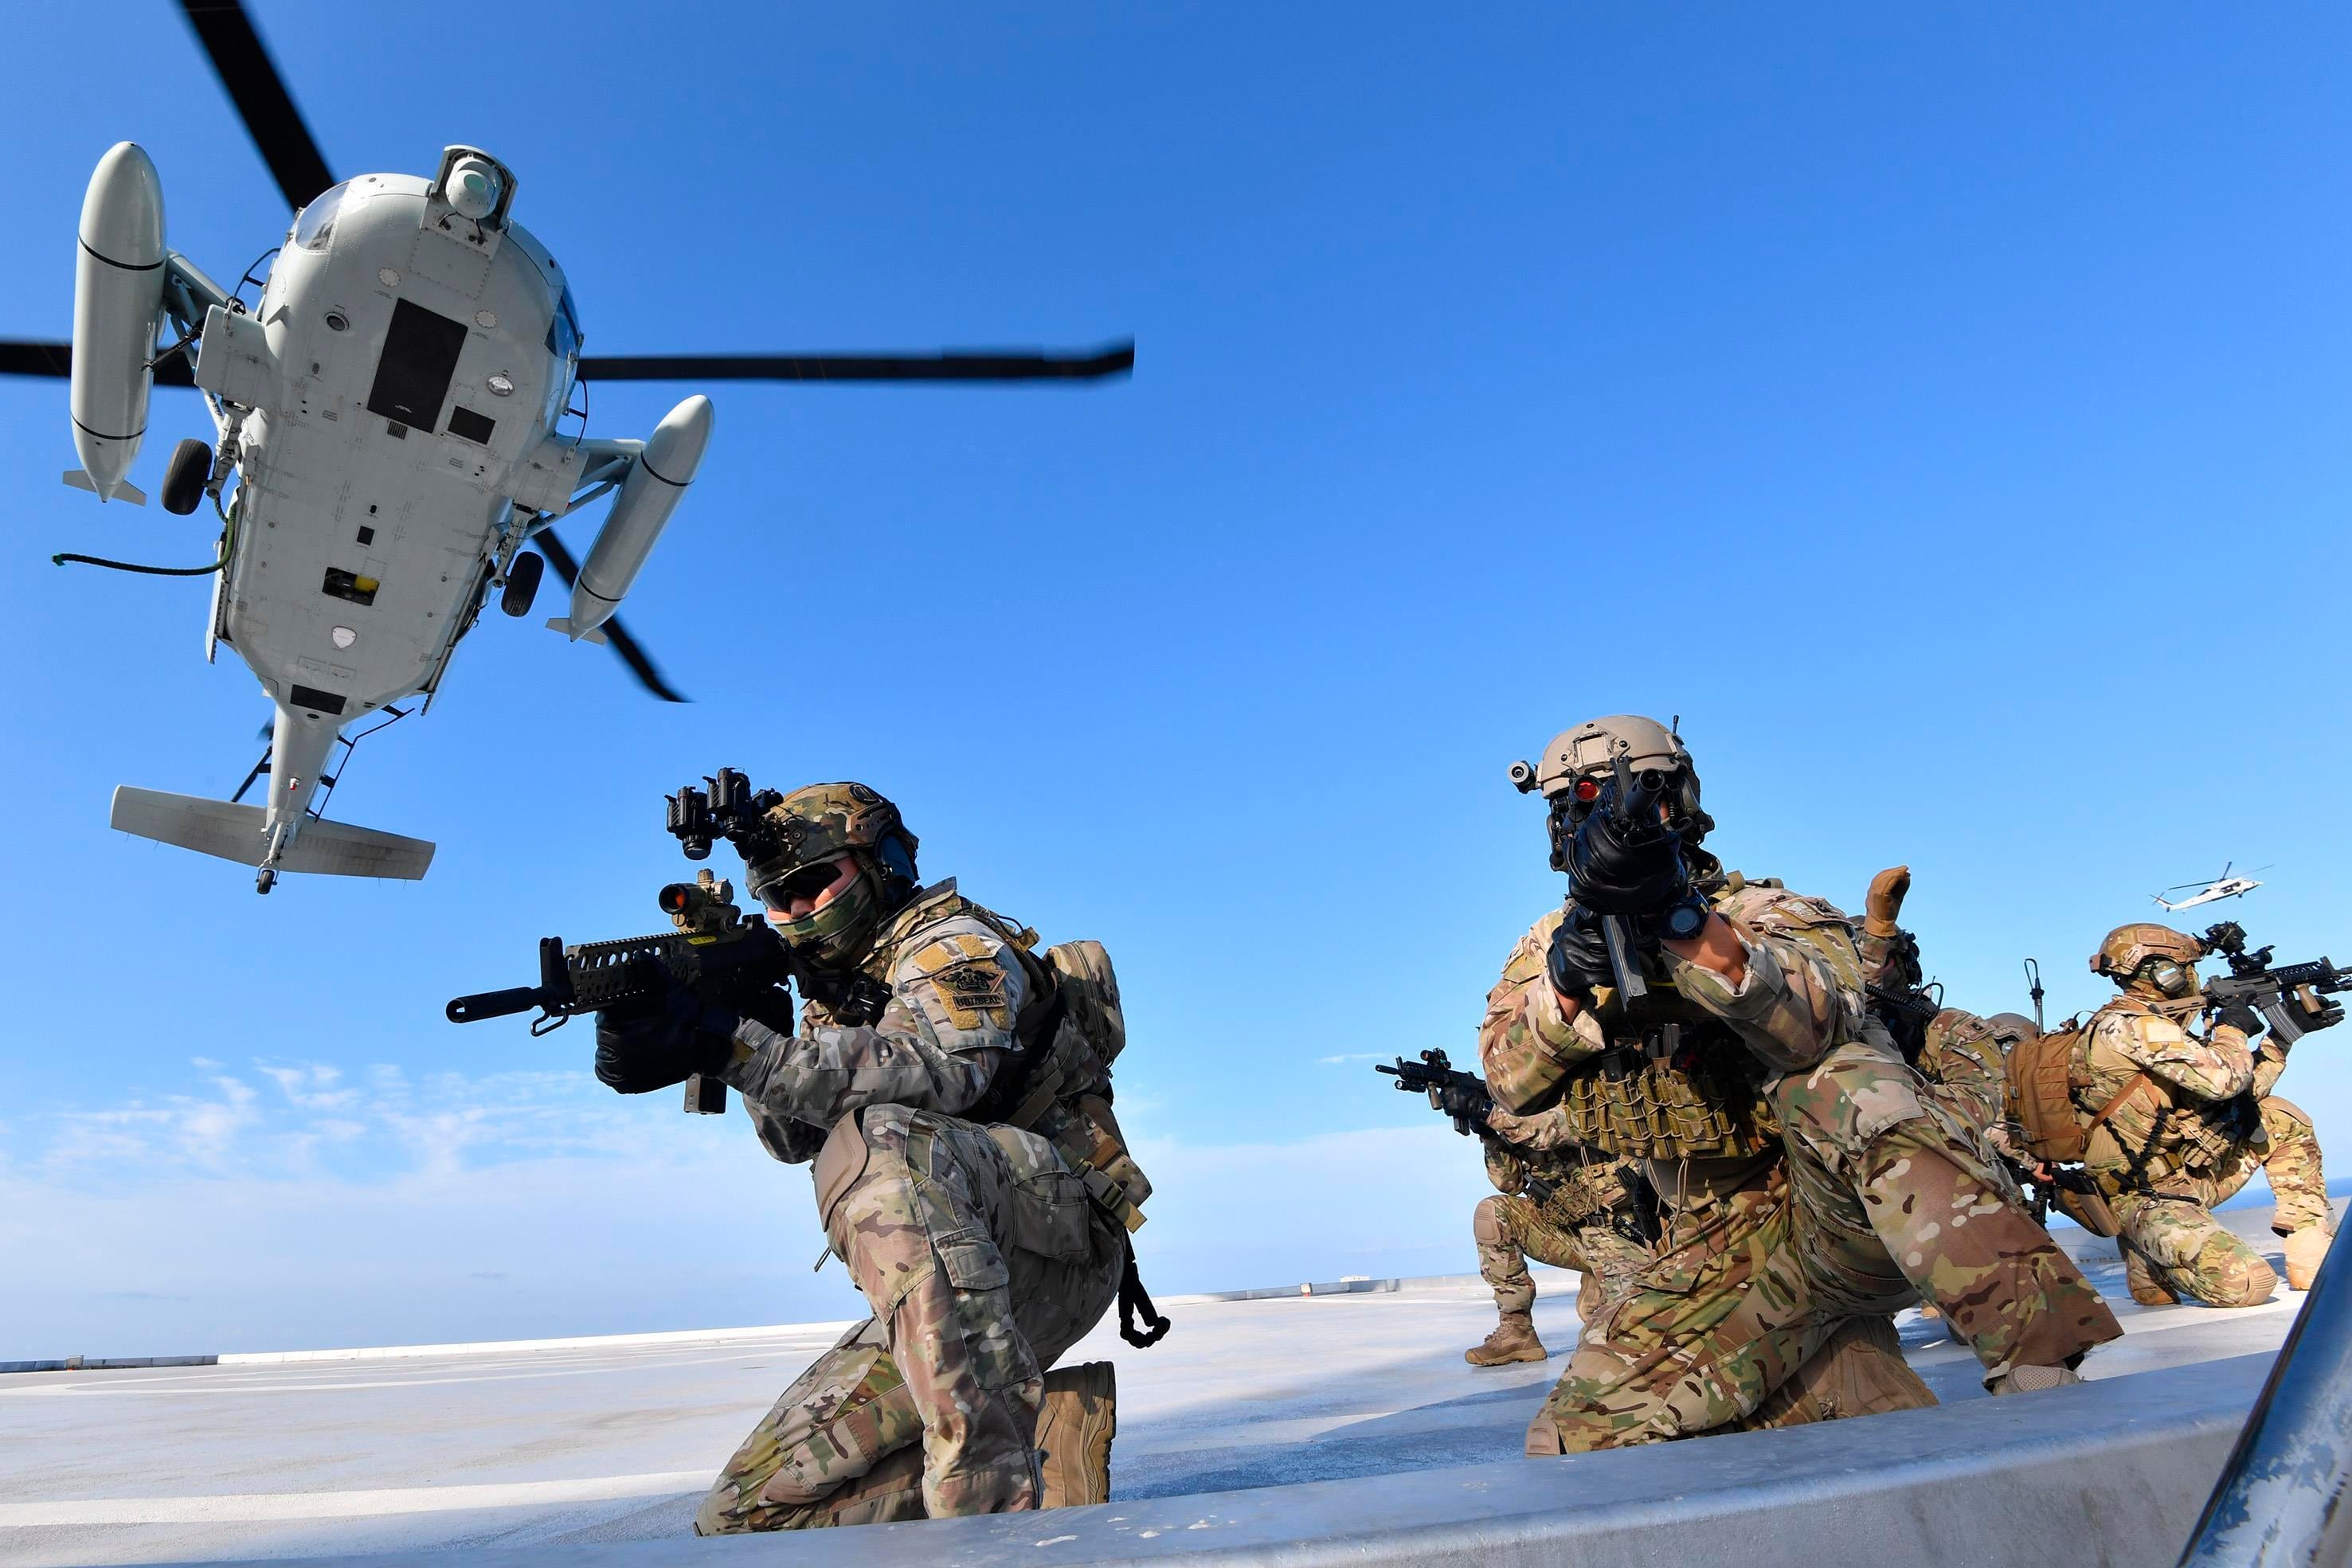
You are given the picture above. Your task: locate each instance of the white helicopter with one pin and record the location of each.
(391, 412)
(2221, 887)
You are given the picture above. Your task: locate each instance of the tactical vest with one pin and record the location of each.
(2155, 1136)
(1675, 1083)
(1070, 1030)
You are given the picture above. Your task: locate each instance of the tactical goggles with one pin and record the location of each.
(805, 884)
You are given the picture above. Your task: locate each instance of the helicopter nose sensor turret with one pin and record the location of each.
(117, 303)
(473, 188)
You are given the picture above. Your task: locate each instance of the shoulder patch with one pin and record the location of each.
(962, 972)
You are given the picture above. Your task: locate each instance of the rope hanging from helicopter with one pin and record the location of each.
(227, 514)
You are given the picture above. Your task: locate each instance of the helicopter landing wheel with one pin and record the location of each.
(266, 880)
(190, 470)
(522, 585)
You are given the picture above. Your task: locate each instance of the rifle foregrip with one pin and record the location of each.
(493, 1004)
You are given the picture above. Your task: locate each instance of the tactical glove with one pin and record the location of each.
(1578, 959)
(2242, 1016)
(1465, 1103)
(661, 1039)
(1884, 905)
(1626, 868)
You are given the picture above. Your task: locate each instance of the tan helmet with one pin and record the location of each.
(1585, 752)
(2010, 1027)
(2127, 948)
(1578, 760)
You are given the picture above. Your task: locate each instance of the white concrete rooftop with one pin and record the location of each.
(615, 1440)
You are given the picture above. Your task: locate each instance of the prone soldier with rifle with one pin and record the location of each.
(950, 1083)
(1568, 1206)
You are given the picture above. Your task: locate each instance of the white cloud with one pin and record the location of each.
(1352, 1056)
(519, 1205)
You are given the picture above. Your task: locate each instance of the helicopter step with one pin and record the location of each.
(241, 833)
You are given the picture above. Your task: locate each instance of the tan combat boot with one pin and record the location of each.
(1514, 1339)
(1074, 1426)
(2145, 1287)
(2033, 1380)
(2306, 1250)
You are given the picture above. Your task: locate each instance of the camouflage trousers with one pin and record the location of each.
(1885, 1194)
(983, 1261)
(2193, 1254)
(1512, 1228)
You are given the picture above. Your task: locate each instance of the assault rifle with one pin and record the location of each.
(2068, 1189)
(1464, 1097)
(1631, 801)
(714, 952)
(2288, 995)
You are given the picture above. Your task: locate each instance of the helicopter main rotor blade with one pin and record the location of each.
(262, 101)
(989, 365)
(617, 636)
(34, 357)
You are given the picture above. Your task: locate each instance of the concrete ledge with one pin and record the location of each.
(2110, 1472)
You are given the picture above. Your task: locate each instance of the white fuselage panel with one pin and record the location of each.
(410, 372)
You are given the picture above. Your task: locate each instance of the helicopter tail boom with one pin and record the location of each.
(240, 834)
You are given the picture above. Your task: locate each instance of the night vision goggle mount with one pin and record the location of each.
(728, 809)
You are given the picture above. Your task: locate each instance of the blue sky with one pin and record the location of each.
(1943, 409)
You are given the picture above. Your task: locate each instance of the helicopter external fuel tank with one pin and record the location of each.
(657, 480)
(117, 302)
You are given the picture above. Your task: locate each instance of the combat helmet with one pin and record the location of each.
(814, 827)
(2008, 1029)
(1576, 762)
(2146, 953)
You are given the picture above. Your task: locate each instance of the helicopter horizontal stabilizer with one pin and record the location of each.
(124, 490)
(563, 623)
(236, 832)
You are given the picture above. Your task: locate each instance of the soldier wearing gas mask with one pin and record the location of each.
(1715, 1028)
(951, 1088)
(2178, 1123)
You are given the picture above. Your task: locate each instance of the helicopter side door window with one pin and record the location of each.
(419, 360)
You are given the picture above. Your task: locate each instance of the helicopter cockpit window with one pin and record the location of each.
(316, 226)
(563, 333)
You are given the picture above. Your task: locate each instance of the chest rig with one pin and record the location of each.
(1674, 1083)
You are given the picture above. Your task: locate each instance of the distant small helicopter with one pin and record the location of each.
(2221, 887)
(392, 414)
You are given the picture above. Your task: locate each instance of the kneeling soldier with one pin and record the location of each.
(952, 1088)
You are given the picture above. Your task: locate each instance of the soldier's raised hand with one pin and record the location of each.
(1884, 905)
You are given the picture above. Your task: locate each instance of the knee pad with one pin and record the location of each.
(1486, 1222)
(2233, 1275)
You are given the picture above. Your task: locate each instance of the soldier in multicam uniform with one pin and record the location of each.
(952, 1091)
(1572, 1208)
(1858, 1371)
(1809, 1177)
(2179, 1123)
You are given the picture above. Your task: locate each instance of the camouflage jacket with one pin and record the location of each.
(1680, 1074)
(958, 985)
(1962, 1055)
(2174, 1102)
